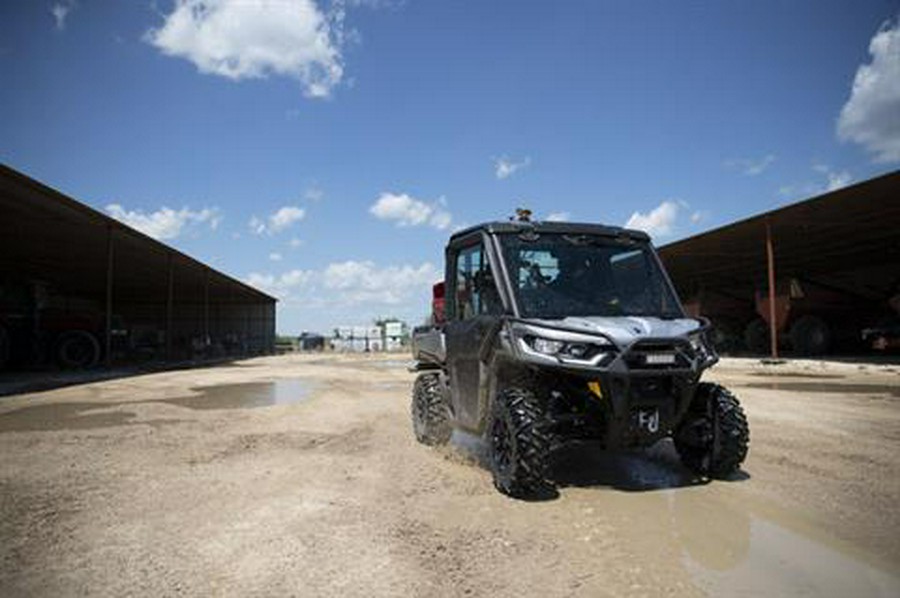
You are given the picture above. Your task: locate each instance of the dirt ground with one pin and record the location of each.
(299, 475)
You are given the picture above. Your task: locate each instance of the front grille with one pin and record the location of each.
(659, 356)
(651, 387)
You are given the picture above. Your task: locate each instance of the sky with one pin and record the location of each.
(323, 151)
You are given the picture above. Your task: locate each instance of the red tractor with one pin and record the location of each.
(37, 326)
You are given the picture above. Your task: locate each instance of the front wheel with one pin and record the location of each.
(430, 414)
(713, 437)
(756, 336)
(518, 444)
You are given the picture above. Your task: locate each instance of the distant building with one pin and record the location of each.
(310, 341)
(359, 339)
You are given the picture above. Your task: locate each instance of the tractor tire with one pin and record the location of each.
(518, 444)
(5, 347)
(77, 349)
(430, 414)
(810, 335)
(712, 439)
(756, 336)
(726, 336)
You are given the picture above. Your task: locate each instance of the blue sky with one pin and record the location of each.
(324, 151)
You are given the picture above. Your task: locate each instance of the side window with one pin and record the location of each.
(476, 293)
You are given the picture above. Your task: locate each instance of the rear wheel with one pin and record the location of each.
(518, 444)
(712, 440)
(810, 335)
(726, 336)
(77, 349)
(430, 414)
(756, 336)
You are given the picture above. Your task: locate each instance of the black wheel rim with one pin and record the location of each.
(77, 352)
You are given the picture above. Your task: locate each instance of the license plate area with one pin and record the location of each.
(645, 419)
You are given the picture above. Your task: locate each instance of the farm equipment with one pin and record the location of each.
(37, 325)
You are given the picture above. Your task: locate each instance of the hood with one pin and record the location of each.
(624, 330)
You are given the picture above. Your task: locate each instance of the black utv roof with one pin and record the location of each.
(566, 228)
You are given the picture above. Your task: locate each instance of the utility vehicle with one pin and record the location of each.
(546, 332)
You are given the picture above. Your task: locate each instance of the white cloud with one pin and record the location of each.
(871, 117)
(409, 211)
(504, 167)
(313, 194)
(659, 222)
(833, 180)
(60, 12)
(351, 283)
(363, 282)
(752, 166)
(282, 285)
(276, 222)
(285, 217)
(838, 180)
(165, 223)
(252, 39)
(295, 243)
(275, 256)
(558, 217)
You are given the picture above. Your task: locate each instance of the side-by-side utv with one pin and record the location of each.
(560, 331)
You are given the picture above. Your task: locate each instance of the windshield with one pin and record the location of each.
(555, 276)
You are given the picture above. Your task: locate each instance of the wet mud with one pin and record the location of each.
(333, 497)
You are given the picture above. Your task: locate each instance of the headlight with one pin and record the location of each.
(587, 352)
(701, 348)
(697, 344)
(545, 345)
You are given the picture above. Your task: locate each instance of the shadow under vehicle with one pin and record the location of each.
(562, 331)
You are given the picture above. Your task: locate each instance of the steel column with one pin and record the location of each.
(110, 273)
(206, 340)
(170, 300)
(773, 324)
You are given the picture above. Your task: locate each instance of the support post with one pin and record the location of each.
(773, 324)
(206, 340)
(170, 300)
(110, 273)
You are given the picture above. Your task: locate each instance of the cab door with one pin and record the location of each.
(473, 311)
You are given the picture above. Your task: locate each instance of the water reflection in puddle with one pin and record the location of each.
(64, 416)
(729, 550)
(245, 396)
(93, 415)
(797, 375)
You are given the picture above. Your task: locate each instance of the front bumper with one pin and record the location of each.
(643, 390)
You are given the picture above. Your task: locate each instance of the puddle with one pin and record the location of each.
(797, 375)
(64, 416)
(830, 388)
(245, 396)
(730, 551)
(92, 415)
